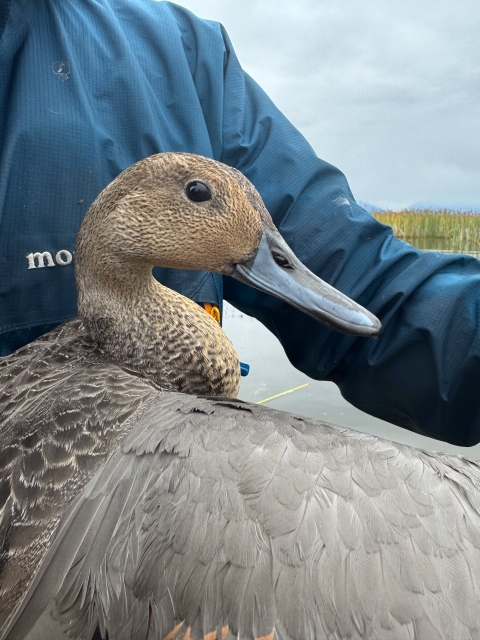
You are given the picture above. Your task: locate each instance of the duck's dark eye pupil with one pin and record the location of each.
(198, 191)
(281, 260)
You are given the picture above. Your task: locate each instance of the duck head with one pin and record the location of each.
(186, 211)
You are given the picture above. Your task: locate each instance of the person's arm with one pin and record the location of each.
(423, 373)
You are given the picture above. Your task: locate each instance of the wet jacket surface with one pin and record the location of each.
(88, 88)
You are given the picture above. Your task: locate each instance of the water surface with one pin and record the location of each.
(271, 373)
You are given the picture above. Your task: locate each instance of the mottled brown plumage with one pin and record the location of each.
(128, 507)
(145, 219)
(63, 410)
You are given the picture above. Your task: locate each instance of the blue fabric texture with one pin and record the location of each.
(87, 88)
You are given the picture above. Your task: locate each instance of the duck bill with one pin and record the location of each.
(276, 270)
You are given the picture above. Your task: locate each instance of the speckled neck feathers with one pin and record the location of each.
(168, 339)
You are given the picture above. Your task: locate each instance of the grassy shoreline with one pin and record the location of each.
(444, 230)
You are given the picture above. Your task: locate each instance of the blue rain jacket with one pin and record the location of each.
(87, 88)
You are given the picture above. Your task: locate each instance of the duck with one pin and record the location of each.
(141, 499)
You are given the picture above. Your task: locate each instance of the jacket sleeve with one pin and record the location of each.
(423, 373)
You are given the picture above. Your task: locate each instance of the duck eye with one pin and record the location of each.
(281, 260)
(198, 191)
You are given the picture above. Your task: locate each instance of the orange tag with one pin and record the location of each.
(212, 310)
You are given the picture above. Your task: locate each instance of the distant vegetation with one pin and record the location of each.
(443, 230)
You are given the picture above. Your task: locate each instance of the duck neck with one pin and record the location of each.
(163, 336)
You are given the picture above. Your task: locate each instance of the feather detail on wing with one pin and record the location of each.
(220, 519)
(58, 425)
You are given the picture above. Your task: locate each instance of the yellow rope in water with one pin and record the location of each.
(284, 393)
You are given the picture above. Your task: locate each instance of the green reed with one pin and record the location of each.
(444, 230)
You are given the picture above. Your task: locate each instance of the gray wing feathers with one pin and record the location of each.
(237, 521)
(58, 425)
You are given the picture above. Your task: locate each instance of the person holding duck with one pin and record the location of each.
(88, 88)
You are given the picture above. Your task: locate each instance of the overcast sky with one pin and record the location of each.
(387, 90)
